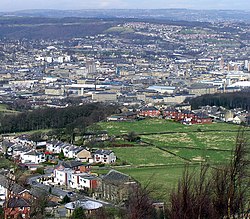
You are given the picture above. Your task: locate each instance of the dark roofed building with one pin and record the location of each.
(116, 177)
(201, 89)
(73, 165)
(17, 206)
(115, 187)
(149, 111)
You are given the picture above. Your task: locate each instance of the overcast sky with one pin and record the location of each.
(13, 5)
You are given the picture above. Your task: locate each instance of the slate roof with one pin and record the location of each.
(71, 163)
(116, 177)
(33, 153)
(8, 184)
(7, 143)
(21, 148)
(103, 152)
(149, 108)
(37, 192)
(16, 202)
(202, 115)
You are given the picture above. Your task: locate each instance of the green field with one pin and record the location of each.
(171, 146)
(122, 30)
(5, 110)
(160, 125)
(163, 177)
(146, 156)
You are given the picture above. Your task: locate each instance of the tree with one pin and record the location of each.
(220, 193)
(61, 155)
(1, 212)
(132, 137)
(231, 183)
(66, 199)
(78, 213)
(139, 205)
(38, 206)
(192, 199)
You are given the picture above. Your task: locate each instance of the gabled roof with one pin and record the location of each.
(37, 192)
(17, 202)
(71, 164)
(7, 143)
(116, 177)
(9, 184)
(187, 112)
(78, 149)
(21, 148)
(201, 115)
(149, 108)
(103, 152)
(33, 153)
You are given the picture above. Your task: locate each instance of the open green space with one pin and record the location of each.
(171, 146)
(210, 140)
(4, 109)
(160, 125)
(146, 156)
(121, 30)
(161, 179)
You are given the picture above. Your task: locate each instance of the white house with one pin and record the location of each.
(87, 181)
(32, 157)
(55, 146)
(7, 187)
(62, 176)
(75, 180)
(104, 156)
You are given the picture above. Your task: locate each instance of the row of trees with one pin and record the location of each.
(227, 100)
(51, 118)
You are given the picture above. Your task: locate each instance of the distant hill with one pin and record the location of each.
(169, 14)
(51, 28)
(16, 27)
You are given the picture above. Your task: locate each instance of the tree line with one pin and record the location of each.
(54, 118)
(227, 100)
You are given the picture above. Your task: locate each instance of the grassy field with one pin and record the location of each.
(163, 177)
(4, 109)
(121, 30)
(173, 145)
(146, 156)
(161, 125)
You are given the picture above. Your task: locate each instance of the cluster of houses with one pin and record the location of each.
(71, 174)
(18, 201)
(27, 152)
(74, 174)
(182, 113)
(113, 187)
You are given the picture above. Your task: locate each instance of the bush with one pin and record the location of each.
(40, 170)
(66, 199)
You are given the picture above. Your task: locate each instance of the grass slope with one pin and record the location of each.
(173, 145)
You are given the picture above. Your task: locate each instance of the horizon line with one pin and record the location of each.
(106, 9)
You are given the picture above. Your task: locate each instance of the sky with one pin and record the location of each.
(14, 5)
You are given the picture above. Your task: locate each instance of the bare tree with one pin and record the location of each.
(192, 197)
(220, 193)
(38, 205)
(231, 183)
(139, 204)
